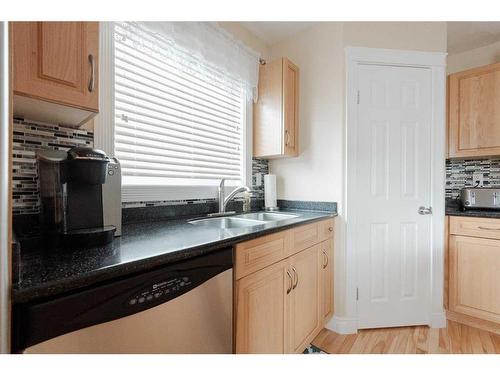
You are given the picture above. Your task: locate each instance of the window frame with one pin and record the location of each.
(104, 129)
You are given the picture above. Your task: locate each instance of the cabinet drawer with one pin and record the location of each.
(475, 227)
(303, 237)
(326, 228)
(254, 255)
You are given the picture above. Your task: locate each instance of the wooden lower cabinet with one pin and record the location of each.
(260, 310)
(326, 280)
(304, 299)
(474, 288)
(281, 307)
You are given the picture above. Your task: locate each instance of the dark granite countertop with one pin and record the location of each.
(453, 208)
(48, 272)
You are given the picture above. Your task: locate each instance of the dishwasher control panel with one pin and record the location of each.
(160, 289)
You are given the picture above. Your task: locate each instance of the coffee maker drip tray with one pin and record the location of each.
(89, 237)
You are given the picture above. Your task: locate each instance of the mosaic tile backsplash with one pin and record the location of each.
(459, 174)
(30, 136)
(27, 138)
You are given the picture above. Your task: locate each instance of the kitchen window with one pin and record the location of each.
(180, 123)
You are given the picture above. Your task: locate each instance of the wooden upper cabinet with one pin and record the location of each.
(290, 107)
(474, 112)
(55, 71)
(276, 113)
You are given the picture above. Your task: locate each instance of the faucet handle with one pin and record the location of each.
(222, 181)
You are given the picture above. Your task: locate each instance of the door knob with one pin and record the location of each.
(425, 210)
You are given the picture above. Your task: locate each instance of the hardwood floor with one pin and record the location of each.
(455, 338)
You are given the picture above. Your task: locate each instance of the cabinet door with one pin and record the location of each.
(267, 113)
(326, 280)
(290, 107)
(474, 112)
(304, 316)
(57, 62)
(475, 277)
(261, 302)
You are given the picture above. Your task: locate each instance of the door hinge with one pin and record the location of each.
(357, 294)
(357, 97)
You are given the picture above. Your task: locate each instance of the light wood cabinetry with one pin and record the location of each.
(304, 299)
(473, 265)
(303, 237)
(326, 228)
(260, 307)
(256, 254)
(326, 280)
(283, 296)
(475, 277)
(276, 113)
(475, 227)
(56, 71)
(474, 112)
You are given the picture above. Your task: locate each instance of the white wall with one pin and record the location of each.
(471, 59)
(418, 36)
(251, 40)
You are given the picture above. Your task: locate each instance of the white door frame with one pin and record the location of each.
(436, 63)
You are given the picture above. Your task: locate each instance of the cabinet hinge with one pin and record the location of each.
(357, 97)
(357, 294)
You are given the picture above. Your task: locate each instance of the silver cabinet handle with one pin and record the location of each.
(92, 73)
(486, 228)
(296, 277)
(326, 259)
(424, 210)
(289, 289)
(287, 137)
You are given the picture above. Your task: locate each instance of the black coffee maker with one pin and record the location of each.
(71, 190)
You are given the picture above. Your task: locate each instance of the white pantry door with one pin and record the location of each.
(393, 178)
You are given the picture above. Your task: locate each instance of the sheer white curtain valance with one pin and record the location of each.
(205, 43)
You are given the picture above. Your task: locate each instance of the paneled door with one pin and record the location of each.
(393, 172)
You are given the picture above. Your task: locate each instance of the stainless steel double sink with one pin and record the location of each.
(242, 220)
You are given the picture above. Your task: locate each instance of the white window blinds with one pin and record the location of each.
(178, 121)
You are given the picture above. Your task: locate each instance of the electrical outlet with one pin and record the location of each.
(478, 179)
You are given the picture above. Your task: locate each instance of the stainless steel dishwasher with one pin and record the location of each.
(185, 307)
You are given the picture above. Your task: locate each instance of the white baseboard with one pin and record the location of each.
(343, 325)
(438, 320)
